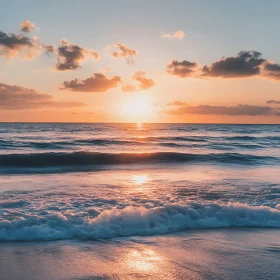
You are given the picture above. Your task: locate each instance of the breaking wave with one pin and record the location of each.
(138, 221)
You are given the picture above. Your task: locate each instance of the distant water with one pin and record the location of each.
(62, 145)
(100, 181)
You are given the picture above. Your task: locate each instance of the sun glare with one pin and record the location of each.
(140, 179)
(137, 108)
(144, 260)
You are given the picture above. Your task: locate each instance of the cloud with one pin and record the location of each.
(177, 35)
(245, 64)
(177, 103)
(144, 83)
(129, 88)
(70, 55)
(14, 97)
(13, 44)
(238, 110)
(27, 26)
(105, 70)
(96, 83)
(273, 102)
(182, 69)
(125, 51)
(49, 49)
(271, 70)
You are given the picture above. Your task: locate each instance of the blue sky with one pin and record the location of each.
(222, 26)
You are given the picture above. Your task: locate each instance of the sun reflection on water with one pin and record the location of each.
(140, 179)
(139, 126)
(144, 260)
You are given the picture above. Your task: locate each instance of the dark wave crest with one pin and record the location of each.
(87, 158)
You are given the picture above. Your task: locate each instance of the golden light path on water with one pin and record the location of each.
(140, 179)
(145, 260)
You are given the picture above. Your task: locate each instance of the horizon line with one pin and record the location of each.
(58, 122)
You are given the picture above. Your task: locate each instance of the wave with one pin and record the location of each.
(243, 137)
(244, 141)
(173, 138)
(139, 221)
(252, 138)
(66, 144)
(104, 142)
(88, 158)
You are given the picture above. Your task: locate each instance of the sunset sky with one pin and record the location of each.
(140, 61)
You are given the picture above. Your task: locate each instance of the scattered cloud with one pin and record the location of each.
(96, 83)
(129, 88)
(271, 70)
(49, 49)
(144, 83)
(70, 55)
(177, 103)
(182, 69)
(125, 51)
(238, 110)
(177, 35)
(14, 97)
(12, 45)
(245, 64)
(273, 102)
(27, 26)
(105, 70)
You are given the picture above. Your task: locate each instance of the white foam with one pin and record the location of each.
(132, 221)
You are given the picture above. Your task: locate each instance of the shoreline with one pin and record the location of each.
(193, 254)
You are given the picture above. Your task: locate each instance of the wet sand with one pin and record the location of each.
(233, 253)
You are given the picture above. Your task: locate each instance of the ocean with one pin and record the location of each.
(139, 201)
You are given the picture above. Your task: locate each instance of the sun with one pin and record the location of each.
(137, 108)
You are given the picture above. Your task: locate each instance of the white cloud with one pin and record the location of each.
(177, 35)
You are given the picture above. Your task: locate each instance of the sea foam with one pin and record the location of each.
(132, 221)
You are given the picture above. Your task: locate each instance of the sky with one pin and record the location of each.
(140, 61)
